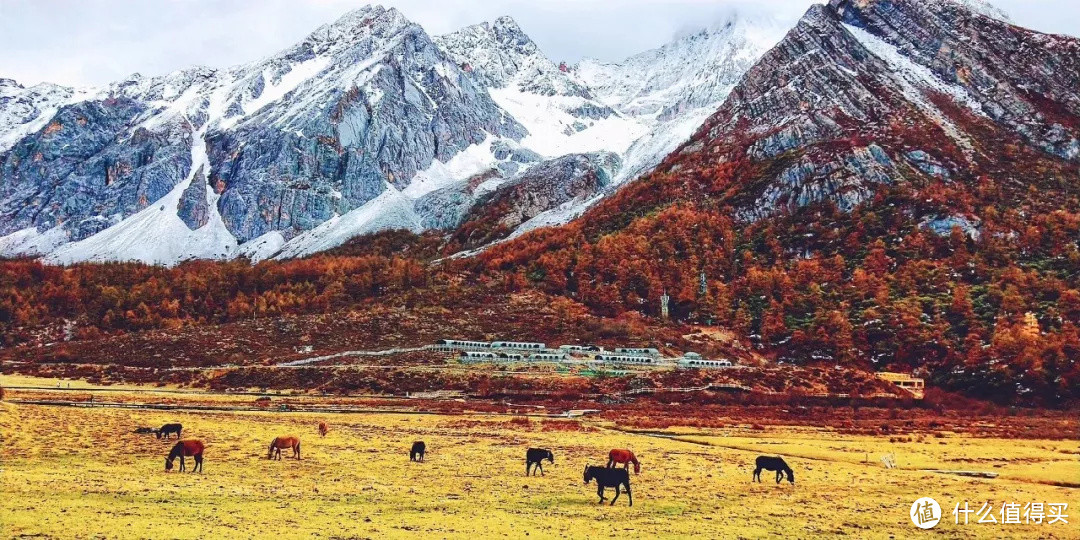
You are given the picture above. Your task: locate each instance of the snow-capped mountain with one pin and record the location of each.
(666, 94)
(866, 94)
(367, 124)
(559, 112)
(199, 162)
(674, 88)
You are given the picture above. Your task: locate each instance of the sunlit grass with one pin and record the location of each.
(72, 472)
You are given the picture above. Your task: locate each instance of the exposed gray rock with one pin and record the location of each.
(317, 130)
(89, 162)
(193, 208)
(943, 226)
(543, 187)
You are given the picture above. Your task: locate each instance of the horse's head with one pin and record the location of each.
(588, 474)
(158, 433)
(168, 464)
(791, 476)
(550, 456)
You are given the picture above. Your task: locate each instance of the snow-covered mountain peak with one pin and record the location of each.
(501, 55)
(982, 7)
(695, 70)
(373, 24)
(367, 123)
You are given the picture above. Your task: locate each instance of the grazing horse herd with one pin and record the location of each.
(609, 476)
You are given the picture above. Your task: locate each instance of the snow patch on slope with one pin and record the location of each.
(914, 77)
(390, 210)
(287, 83)
(156, 234)
(263, 247)
(554, 132)
(473, 160)
(30, 242)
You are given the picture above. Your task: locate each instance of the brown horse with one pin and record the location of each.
(323, 429)
(624, 457)
(284, 442)
(190, 447)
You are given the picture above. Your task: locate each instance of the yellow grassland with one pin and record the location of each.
(78, 472)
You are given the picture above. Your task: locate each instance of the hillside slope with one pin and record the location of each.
(894, 185)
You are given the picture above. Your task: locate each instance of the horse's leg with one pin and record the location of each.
(617, 492)
(779, 476)
(600, 491)
(539, 464)
(182, 463)
(757, 474)
(610, 462)
(629, 495)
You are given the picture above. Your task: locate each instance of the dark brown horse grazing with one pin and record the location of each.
(190, 448)
(416, 453)
(625, 457)
(609, 477)
(284, 442)
(165, 430)
(323, 429)
(773, 464)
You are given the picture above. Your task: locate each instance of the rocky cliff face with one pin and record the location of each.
(317, 130)
(369, 123)
(559, 183)
(499, 54)
(868, 93)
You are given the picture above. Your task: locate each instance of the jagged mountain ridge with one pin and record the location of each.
(367, 116)
(836, 104)
(894, 185)
(318, 130)
(863, 96)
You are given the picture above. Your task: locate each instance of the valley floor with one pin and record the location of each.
(81, 472)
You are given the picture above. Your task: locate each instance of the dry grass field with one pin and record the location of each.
(72, 472)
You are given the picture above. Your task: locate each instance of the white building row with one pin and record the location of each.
(521, 351)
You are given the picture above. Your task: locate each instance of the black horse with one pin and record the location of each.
(417, 452)
(165, 430)
(609, 477)
(535, 456)
(773, 464)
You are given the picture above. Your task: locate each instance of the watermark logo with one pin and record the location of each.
(925, 513)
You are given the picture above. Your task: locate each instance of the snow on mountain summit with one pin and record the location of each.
(501, 55)
(315, 131)
(696, 70)
(367, 123)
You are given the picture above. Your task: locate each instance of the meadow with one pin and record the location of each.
(81, 472)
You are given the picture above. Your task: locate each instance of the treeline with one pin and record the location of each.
(990, 307)
(86, 301)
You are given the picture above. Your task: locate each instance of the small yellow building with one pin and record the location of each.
(914, 385)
